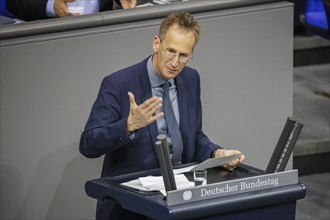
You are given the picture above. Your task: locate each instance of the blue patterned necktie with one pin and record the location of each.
(172, 125)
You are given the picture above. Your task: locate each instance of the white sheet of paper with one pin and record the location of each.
(156, 183)
(209, 163)
(215, 162)
(183, 170)
(136, 184)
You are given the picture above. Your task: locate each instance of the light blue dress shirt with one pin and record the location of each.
(90, 6)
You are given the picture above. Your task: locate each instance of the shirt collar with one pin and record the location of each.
(155, 79)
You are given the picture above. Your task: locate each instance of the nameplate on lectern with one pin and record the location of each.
(232, 187)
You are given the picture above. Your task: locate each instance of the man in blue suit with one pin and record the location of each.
(128, 113)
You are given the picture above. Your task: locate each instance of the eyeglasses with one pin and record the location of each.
(170, 54)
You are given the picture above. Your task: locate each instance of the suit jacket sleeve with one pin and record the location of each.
(28, 10)
(204, 146)
(106, 128)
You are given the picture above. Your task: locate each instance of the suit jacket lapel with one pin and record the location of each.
(146, 94)
(183, 107)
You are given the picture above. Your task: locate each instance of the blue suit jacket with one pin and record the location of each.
(105, 132)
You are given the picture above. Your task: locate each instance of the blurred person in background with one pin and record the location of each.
(29, 10)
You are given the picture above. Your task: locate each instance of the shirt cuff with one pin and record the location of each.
(50, 9)
(131, 135)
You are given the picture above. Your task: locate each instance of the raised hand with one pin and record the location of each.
(143, 114)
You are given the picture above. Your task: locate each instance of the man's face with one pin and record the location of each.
(176, 42)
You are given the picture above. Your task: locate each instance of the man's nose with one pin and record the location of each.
(175, 60)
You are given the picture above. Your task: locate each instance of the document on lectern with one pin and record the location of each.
(156, 183)
(152, 183)
(209, 163)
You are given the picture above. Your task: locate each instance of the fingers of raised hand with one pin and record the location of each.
(155, 117)
(131, 100)
(150, 106)
(144, 114)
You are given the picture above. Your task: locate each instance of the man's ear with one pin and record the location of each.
(155, 44)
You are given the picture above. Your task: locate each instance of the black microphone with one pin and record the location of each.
(163, 156)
